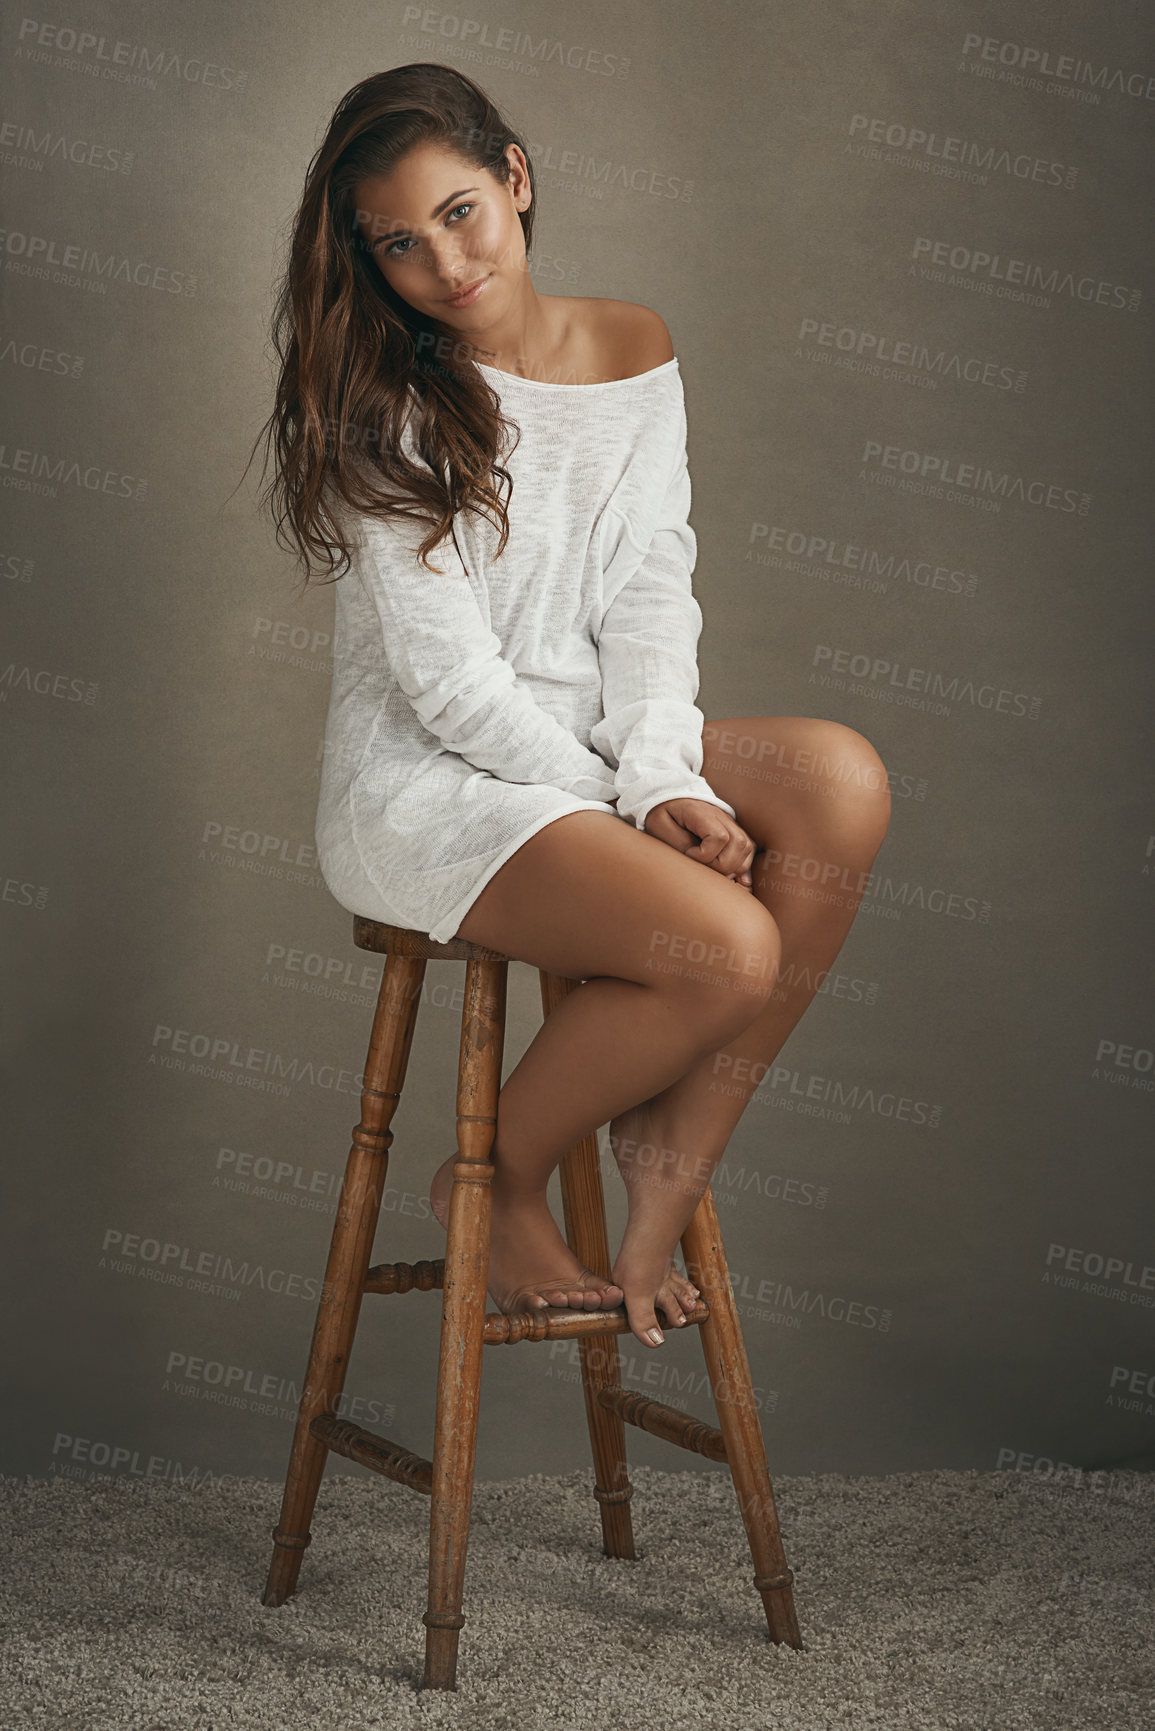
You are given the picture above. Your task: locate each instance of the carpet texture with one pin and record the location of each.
(960, 1601)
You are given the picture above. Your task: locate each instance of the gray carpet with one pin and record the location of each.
(974, 1602)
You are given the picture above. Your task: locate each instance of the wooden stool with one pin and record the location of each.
(466, 1327)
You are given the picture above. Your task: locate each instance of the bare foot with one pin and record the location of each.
(650, 1280)
(531, 1267)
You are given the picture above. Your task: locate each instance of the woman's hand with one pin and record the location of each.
(706, 833)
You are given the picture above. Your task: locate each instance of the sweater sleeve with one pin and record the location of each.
(450, 666)
(647, 650)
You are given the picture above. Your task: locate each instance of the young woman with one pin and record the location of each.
(513, 751)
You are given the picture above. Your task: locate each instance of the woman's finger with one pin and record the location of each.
(710, 847)
(730, 849)
(706, 834)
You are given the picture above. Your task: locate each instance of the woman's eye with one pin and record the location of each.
(391, 249)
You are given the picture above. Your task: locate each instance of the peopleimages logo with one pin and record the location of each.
(793, 1086)
(856, 565)
(1016, 279)
(31, 149)
(807, 1302)
(869, 347)
(503, 40)
(1102, 1276)
(579, 168)
(120, 62)
(1036, 64)
(885, 139)
(916, 687)
(214, 1273)
(936, 470)
(46, 682)
(43, 472)
(44, 256)
(97, 1455)
(225, 1059)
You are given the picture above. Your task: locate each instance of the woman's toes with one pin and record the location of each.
(567, 1297)
(647, 1330)
(674, 1298)
(575, 1297)
(644, 1322)
(669, 1303)
(591, 1296)
(590, 1293)
(683, 1290)
(523, 1298)
(599, 1294)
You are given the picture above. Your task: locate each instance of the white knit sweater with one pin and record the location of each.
(467, 711)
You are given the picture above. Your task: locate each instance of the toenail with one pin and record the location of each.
(654, 1334)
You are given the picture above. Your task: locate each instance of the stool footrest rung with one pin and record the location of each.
(377, 1452)
(553, 1323)
(666, 1422)
(405, 1276)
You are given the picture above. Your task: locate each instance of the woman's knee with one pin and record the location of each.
(822, 779)
(724, 964)
(853, 779)
(845, 757)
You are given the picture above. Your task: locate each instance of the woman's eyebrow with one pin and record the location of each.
(399, 228)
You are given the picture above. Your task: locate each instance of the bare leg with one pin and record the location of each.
(590, 897)
(668, 1146)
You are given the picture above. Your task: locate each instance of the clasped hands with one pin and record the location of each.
(706, 833)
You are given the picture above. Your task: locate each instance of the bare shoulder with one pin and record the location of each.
(610, 339)
(635, 337)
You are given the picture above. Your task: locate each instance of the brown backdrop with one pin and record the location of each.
(906, 258)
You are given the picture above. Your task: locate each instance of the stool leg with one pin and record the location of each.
(583, 1200)
(463, 1315)
(729, 1373)
(349, 1252)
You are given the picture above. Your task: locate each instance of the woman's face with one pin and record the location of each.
(437, 225)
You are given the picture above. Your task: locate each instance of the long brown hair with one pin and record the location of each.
(355, 357)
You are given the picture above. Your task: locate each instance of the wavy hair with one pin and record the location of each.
(357, 363)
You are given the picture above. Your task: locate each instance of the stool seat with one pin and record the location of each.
(401, 941)
(461, 1277)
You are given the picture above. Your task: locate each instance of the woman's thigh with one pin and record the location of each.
(589, 895)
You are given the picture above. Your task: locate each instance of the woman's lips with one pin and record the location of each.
(467, 296)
